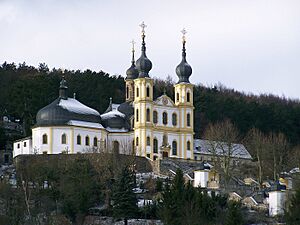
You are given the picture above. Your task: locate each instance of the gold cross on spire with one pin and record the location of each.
(183, 34)
(143, 26)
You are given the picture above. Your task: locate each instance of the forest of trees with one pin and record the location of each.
(26, 89)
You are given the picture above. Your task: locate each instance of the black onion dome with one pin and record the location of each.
(63, 110)
(143, 64)
(183, 70)
(132, 73)
(127, 109)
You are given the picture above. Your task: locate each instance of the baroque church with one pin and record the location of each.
(148, 127)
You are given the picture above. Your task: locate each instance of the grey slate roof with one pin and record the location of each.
(208, 147)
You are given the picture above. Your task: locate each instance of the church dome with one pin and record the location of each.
(183, 70)
(113, 119)
(132, 73)
(64, 110)
(143, 64)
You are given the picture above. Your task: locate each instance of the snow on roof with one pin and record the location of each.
(112, 114)
(85, 124)
(75, 106)
(295, 170)
(115, 106)
(122, 130)
(220, 148)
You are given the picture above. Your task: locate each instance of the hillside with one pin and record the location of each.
(26, 89)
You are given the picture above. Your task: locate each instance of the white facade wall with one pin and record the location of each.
(169, 111)
(22, 147)
(277, 201)
(125, 141)
(201, 178)
(54, 139)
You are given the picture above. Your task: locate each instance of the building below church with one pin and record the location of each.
(148, 127)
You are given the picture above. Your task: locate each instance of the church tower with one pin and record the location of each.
(143, 101)
(132, 73)
(184, 100)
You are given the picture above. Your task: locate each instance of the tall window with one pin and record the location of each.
(165, 118)
(188, 120)
(155, 145)
(137, 115)
(127, 92)
(148, 141)
(87, 141)
(174, 119)
(64, 139)
(95, 141)
(137, 92)
(45, 139)
(148, 115)
(188, 145)
(188, 97)
(154, 117)
(177, 97)
(174, 148)
(78, 139)
(148, 91)
(137, 141)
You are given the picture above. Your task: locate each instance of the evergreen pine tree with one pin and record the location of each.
(124, 199)
(234, 214)
(293, 214)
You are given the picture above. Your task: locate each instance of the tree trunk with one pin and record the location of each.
(125, 221)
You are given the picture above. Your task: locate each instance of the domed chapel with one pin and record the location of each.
(148, 127)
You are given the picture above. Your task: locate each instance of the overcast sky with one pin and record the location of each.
(249, 45)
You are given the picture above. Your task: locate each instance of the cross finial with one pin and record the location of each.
(143, 26)
(183, 34)
(133, 43)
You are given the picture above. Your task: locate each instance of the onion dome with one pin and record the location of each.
(143, 64)
(66, 111)
(183, 70)
(114, 120)
(132, 73)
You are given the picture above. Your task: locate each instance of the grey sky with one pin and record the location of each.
(248, 45)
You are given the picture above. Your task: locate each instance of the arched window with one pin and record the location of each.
(64, 139)
(148, 115)
(137, 115)
(127, 92)
(155, 145)
(87, 141)
(188, 97)
(95, 142)
(155, 117)
(165, 118)
(188, 120)
(78, 139)
(174, 148)
(116, 147)
(177, 97)
(148, 141)
(45, 139)
(148, 91)
(137, 141)
(137, 92)
(188, 145)
(174, 119)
